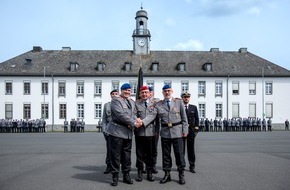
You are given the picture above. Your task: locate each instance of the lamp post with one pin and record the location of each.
(263, 94)
(44, 91)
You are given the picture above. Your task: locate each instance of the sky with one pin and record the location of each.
(261, 26)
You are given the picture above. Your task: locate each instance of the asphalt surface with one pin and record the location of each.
(74, 161)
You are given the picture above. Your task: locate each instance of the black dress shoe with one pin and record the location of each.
(192, 170)
(107, 171)
(166, 178)
(127, 179)
(115, 180)
(154, 171)
(139, 176)
(150, 176)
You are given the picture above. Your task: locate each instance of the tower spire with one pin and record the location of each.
(141, 6)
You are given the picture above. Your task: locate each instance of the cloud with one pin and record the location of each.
(189, 45)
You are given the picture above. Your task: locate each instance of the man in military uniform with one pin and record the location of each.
(174, 126)
(145, 135)
(287, 125)
(121, 130)
(106, 119)
(65, 126)
(269, 124)
(157, 129)
(193, 122)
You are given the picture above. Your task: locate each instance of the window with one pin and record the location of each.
(236, 110)
(218, 110)
(44, 87)
(252, 88)
(252, 109)
(115, 85)
(184, 86)
(201, 110)
(167, 82)
(8, 111)
(101, 66)
(128, 66)
(181, 66)
(44, 111)
(80, 88)
(98, 110)
(73, 66)
(150, 84)
(26, 88)
(133, 85)
(207, 67)
(98, 88)
(154, 66)
(269, 109)
(80, 110)
(26, 111)
(61, 88)
(235, 88)
(8, 88)
(201, 88)
(218, 88)
(269, 88)
(62, 111)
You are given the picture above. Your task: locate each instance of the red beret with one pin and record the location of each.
(144, 88)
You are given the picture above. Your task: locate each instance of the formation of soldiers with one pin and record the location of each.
(22, 126)
(235, 124)
(75, 125)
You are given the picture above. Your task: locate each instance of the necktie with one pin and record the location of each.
(186, 110)
(128, 103)
(168, 105)
(145, 104)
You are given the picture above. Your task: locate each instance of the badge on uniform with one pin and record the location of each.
(169, 124)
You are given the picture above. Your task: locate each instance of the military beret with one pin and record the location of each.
(166, 86)
(144, 88)
(186, 93)
(125, 86)
(150, 88)
(113, 91)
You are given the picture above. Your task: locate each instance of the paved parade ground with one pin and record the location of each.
(75, 161)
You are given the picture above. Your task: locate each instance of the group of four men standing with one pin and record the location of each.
(175, 120)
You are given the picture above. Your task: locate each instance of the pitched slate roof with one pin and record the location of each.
(224, 63)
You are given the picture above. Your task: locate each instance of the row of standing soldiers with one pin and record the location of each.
(22, 126)
(236, 124)
(75, 125)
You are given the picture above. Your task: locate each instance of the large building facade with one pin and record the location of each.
(66, 84)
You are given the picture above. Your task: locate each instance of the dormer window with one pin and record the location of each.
(155, 66)
(73, 66)
(181, 66)
(128, 66)
(28, 61)
(207, 67)
(101, 66)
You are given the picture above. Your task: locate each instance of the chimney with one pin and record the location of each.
(243, 50)
(36, 49)
(214, 49)
(66, 48)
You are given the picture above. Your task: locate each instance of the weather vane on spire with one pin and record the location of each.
(141, 6)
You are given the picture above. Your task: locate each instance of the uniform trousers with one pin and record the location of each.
(177, 144)
(145, 152)
(108, 162)
(189, 140)
(120, 153)
(155, 151)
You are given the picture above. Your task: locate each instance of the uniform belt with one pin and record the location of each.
(120, 123)
(173, 124)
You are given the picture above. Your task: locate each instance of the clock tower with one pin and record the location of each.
(141, 35)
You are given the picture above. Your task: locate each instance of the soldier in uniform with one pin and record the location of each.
(174, 126)
(264, 124)
(121, 130)
(193, 127)
(287, 125)
(106, 119)
(145, 135)
(65, 124)
(157, 129)
(269, 123)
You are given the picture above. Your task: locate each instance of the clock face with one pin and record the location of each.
(141, 42)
